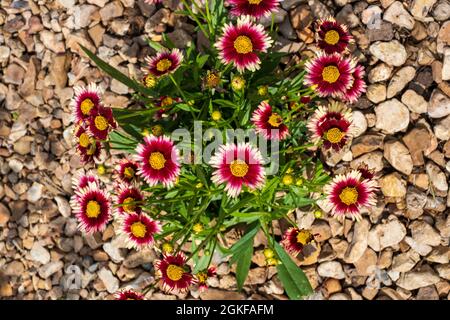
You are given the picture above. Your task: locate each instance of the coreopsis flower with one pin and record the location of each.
(237, 166)
(126, 171)
(139, 230)
(237, 83)
(331, 75)
(164, 62)
(84, 101)
(216, 115)
(149, 80)
(333, 36)
(128, 295)
(88, 148)
(366, 173)
(203, 276)
(332, 125)
(164, 103)
(358, 86)
(175, 273)
(254, 8)
(92, 208)
(128, 200)
(159, 161)
(348, 193)
(81, 180)
(268, 123)
(241, 44)
(295, 239)
(101, 121)
(211, 80)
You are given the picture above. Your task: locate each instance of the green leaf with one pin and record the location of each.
(292, 277)
(116, 74)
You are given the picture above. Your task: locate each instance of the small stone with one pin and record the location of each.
(399, 81)
(437, 178)
(331, 269)
(421, 8)
(420, 141)
(376, 92)
(415, 202)
(13, 74)
(393, 52)
(420, 248)
(118, 87)
(417, 279)
(420, 180)
(35, 192)
(397, 14)
(386, 235)
(404, 262)
(359, 123)
(110, 282)
(442, 129)
(96, 33)
(113, 249)
(374, 160)
(427, 293)
(439, 105)
(50, 268)
(381, 72)
(110, 11)
(359, 242)
(442, 11)
(367, 143)
(392, 116)
(366, 265)
(217, 294)
(139, 258)
(423, 233)
(415, 102)
(446, 65)
(331, 286)
(39, 253)
(392, 185)
(180, 38)
(63, 206)
(398, 156)
(444, 271)
(5, 215)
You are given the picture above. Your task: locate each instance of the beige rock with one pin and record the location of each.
(397, 14)
(423, 233)
(442, 129)
(381, 72)
(376, 92)
(415, 102)
(393, 52)
(420, 141)
(439, 105)
(392, 185)
(437, 178)
(359, 123)
(421, 8)
(399, 81)
(404, 262)
(386, 235)
(366, 264)
(417, 279)
(444, 271)
(373, 160)
(392, 116)
(331, 269)
(398, 156)
(358, 245)
(367, 143)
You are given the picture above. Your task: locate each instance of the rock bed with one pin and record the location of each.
(400, 250)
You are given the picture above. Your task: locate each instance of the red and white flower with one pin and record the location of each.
(128, 295)
(332, 125)
(348, 193)
(203, 276)
(295, 239)
(175, 273)
(101, 121)
(92, 208)
(333, 36)
(165, 103)
(126, 171)
(358, 86)
(159, 161)
(84, 101)
(331, 75)
(268, 123)
(237, 166)
(241, 44)
(88, 148)
(128, 200)
(81, 180)
(139, 230)
(254, 8)
(164, 62)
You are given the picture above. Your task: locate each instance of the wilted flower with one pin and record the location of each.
(101, 121)
(203, 276)
(127, 171)
(237, 83)
(211, 80)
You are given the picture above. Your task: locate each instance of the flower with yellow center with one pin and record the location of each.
(93, 209)
(287, 180)
(202, 276)
(128, 205)
(239, 168)
(263, 90)
(212, 79)
(289, 170)
(268, 253)
(138, 229)
(101, 170)
(304, 237)
(149, 81)
(334, 135)
(84, 140)
(332, 37)
(216, 115)
(101, 123)
(128, 172)
(237, 83)
(243, 45)
(167, 101)
(275, 120)
(167, 248)
(86, 106)
(318, 214)
(349, 195)
(174, 272)
(157, 130)
(157, 160)
(330, 74)
(163, 65)
(197, 228)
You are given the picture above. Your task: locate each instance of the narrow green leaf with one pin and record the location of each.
(243, 265)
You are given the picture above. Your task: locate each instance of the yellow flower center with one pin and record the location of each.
(167, 247)
(84, 140)
(167, 101)
(254, 1)
(86, 106)
(349, 195)
(202, 277)
(334, 135)
(101, 123)
(332, 37)
(128, 205)
(304, 237)
(157, 130)
(275, 120)
(138, 229)
(163, 65)
(288, 179)
(330, 74)
(237, 83)
(243, 44)
(149, 81)
(93, 209)
(239, 168)
(216, 115)
(174, 272)
(128, 172)
(212, 80)
(157, 160)
(198, 227)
